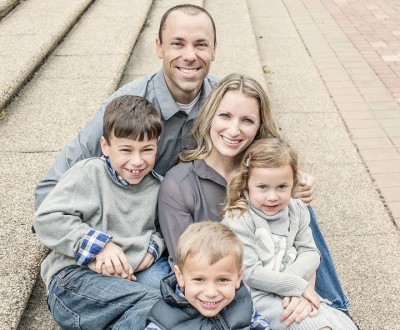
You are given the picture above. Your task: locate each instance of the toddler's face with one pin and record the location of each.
(209, 288)
(131, 159)
(270, 189)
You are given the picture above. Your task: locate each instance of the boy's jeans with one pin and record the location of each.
(79, 298)
(327, 284)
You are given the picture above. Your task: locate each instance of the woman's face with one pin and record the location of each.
(235, 124)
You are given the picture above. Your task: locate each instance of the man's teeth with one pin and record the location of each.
(230, 141)
(188, 70)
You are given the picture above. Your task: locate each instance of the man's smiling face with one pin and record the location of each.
(187, 50)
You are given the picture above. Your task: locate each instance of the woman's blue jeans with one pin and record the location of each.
(327, 284)
(79, 298)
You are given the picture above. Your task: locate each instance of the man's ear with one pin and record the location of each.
(179, 277)
(159, 50)
(240, 276)
(104, 146)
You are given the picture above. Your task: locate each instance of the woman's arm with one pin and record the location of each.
(174, 214)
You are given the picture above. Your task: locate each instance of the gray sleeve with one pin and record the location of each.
(58, 223)
(257, 275)
(173, 214)
(308, 256)
(85, 145)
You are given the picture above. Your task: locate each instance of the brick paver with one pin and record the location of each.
(357, 52)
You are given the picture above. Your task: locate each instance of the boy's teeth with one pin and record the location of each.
(209, 303)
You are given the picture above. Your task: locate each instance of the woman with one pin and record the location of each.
(235, 114)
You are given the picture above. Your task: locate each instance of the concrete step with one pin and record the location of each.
(28, 34)
(59, 99)
(6, 6)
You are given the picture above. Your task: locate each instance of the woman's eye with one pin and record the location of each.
(248, 120)
(224, 115)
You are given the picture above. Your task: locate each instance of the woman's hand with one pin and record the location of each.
(305, 188)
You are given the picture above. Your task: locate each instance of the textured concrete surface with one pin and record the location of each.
(6, 6)
(23, 46)
(328, 96)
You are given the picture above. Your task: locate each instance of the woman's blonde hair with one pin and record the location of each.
(202, 124)
(264, 153)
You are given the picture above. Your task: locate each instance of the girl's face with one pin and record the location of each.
(235, 124)
(270, 188)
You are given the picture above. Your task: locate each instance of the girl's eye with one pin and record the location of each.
(198, 279)
(224, 115)
(262, 186)
(282, 187)
(125, 150)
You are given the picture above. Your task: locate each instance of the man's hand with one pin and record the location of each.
(296, 310)
(305, 188)
(147, 261)
(112, 261)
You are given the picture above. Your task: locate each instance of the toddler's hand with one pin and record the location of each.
(296, 310)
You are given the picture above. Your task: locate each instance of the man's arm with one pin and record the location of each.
(84, 145)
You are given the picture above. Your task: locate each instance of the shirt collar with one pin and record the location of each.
(204, 171)
(168, 106)
(119, 179)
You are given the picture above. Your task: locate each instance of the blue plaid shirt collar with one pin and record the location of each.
(119, 179)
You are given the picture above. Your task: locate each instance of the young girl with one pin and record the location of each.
(280, 255)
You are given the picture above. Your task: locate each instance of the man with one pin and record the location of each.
(186, 43)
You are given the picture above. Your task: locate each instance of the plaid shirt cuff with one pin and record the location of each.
(258, 322)
(154, 250)
(93, 242)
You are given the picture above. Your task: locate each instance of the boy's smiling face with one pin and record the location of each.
(131, 159)
(209, 288)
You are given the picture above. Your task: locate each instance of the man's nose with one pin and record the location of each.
(189, 54)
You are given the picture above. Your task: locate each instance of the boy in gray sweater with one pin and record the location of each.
(99, 221)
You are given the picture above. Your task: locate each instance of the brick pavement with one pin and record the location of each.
(356, 48)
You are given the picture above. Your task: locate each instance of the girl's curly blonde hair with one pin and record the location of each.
(265, 153)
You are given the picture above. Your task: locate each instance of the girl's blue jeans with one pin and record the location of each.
(327, 284)
(79, 298)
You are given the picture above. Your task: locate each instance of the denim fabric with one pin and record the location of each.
(79, 298)
(153, 275)
(327, 284)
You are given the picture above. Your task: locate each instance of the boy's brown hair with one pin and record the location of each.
(211, 238)
(131, 117)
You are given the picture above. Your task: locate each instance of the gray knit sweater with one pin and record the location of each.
(300, 255)
(87, 196)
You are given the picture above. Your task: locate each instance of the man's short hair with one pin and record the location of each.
(131, 117)
(212, 239)
(188, 9)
